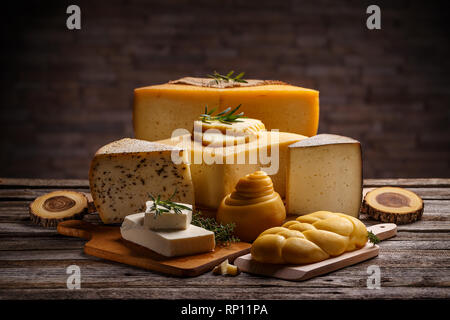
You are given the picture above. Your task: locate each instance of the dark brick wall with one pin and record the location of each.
(65, 93)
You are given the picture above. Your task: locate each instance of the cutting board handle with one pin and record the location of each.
(383, 230)
(76, 228)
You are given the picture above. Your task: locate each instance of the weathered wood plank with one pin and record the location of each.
(424, 193)
(37, 183)
(84, 183)
(26, 228)
(31, 194)
(423, 225)
(56, 241)
(97, 276)
(420, 182)
(7, 193)
(42, 255)
(229, 293)
(389, 257)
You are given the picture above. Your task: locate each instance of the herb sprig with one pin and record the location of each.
(159, 206)
(223, 233)
(372, 237)
(228, 77)
(227, 116)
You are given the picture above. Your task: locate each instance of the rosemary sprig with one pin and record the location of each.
(372, 237)
(227, 116)
(228, 77)
(222, 233)
(159, 206)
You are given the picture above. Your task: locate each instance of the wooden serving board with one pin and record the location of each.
(106, 242)
(303, 272)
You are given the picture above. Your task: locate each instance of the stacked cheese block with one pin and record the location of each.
(161, 109)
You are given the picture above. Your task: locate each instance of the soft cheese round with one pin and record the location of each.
(310, 238)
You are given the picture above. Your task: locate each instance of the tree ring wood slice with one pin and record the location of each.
(393, 204)
(51, 208)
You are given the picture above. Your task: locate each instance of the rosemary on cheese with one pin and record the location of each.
(227, 116)
(159, 206)
(217, 77)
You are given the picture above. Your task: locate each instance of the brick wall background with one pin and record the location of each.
(65, 93)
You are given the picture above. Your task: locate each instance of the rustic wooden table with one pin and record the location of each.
(33, 260)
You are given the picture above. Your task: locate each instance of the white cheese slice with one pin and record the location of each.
(167, 220)
(169, 243)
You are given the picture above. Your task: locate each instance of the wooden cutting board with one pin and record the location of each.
(106, 242)
(303, 272)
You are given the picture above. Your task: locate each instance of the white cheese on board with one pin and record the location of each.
(169, 243)
(167, 220)
(124, 173)
(324, 172)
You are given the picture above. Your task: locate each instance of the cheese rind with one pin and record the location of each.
(167, 220)
(124, 173)
(169, 243)
(324, 172)
(160, 109)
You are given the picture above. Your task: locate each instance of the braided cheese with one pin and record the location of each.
(310, 238)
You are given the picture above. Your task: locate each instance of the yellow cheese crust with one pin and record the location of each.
(160, 109)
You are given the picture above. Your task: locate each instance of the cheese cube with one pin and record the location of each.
(169, 243)
(324, 173)
(160, 109)
(124, 173)
(167, 220)
(213, 181)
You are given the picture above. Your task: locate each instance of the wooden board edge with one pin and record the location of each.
(305, 272)
(165, 269)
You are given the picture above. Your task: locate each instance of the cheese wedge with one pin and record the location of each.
(169, 243)
(160, 109)
(124, 173)
(324, 172)
(213, 174)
